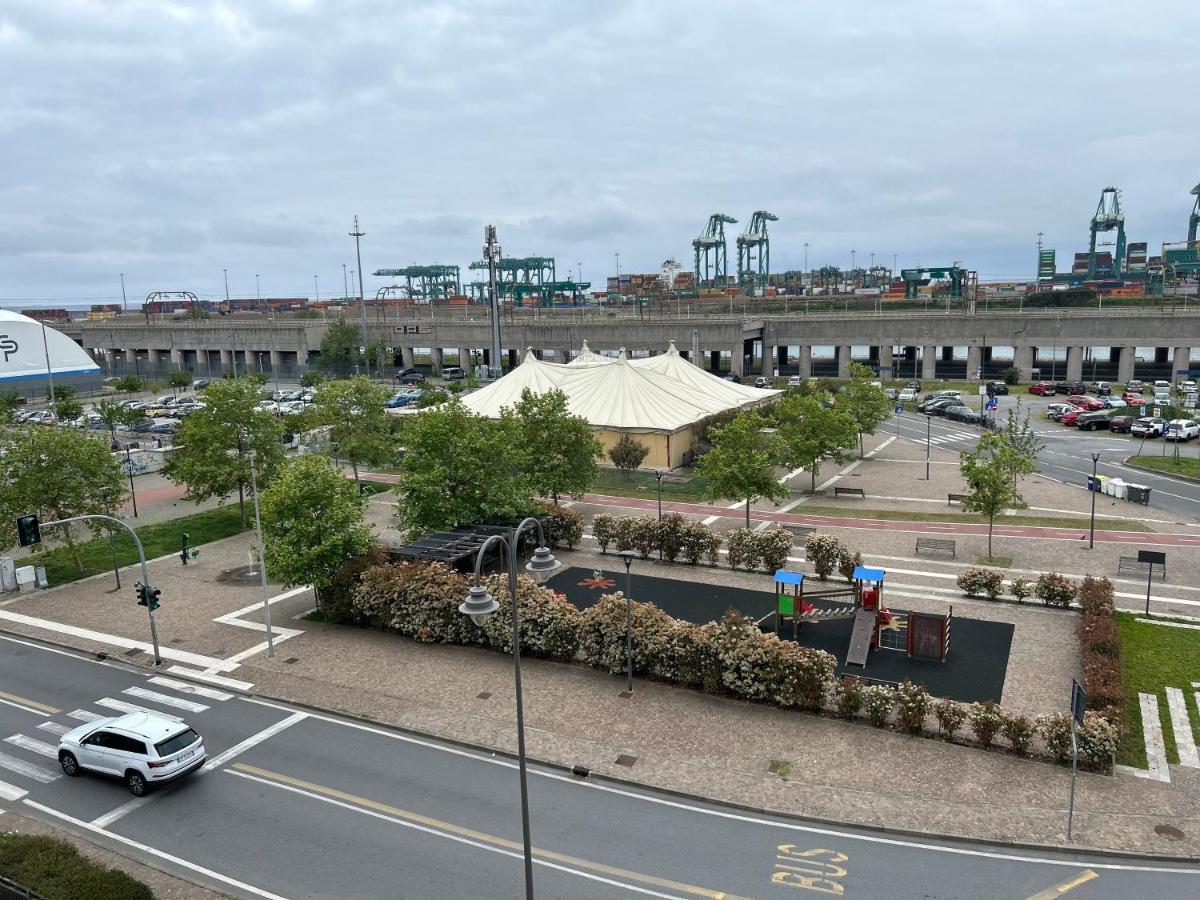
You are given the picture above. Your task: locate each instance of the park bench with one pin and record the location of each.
(924, 543)
(849, 492)
(1131, 565)
(951, 498)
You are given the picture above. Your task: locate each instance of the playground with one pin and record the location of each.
(952, 656)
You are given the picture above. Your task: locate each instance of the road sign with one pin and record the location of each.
(1166, 426)
(1152, 556)
(899, 409)
(1156, 412)
(993, 403)
(1078, 700)
(983, 390)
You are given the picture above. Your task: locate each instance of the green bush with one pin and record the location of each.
(981, 583)
(669, 536)
(743, 550)
(774, 548)
(337, 600)
(848, 562)
(912, 703)
(1011, 375)
(1101, 651)
(986, 721)
(604, 530)
(564, 526)
(849, 697)
(823, 551)
(55, 870)
(878, 700)
(1018, 731)
(950, 715)
(1020, 588)
(674, 537)
(1055, 590)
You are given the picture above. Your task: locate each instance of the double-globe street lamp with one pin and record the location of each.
(480, 605)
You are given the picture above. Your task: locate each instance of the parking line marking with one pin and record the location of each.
(32, 745)
(165, 699)
(483, 840)
(212, 678)
(122, 706)
(184, 688)
(54, 728)
(26, 704)
(1059, 889)
(28, 769)
(84, 715)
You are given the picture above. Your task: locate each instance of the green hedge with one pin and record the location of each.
(55, 870)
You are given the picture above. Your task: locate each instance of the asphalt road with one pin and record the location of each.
(1066, 454)
(296, 804)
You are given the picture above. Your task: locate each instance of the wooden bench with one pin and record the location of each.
(924, 543)
(850, 492)
(951, 498)
(1130, 565)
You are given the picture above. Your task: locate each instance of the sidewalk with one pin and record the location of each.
(682, 741)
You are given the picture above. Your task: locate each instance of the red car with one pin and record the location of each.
(1070, 417)
(1133, 399)
(1045, 388)
(1090, 404)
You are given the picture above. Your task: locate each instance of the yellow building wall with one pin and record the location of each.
(666, 450)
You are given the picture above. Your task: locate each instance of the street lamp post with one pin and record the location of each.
(262, 558)
(225, 272)
(480, 605)
(1092, 527)
(627, 558)
(129, 469)
(658, 477)
(124, 301)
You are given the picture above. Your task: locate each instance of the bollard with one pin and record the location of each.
(183, 551)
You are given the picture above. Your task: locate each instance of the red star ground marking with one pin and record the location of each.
(598, 584)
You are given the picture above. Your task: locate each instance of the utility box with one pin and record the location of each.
(8, 574)
(26, 579)
(39, 577)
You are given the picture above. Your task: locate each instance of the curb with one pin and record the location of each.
(627, 783)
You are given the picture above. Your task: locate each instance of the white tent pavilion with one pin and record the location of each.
(27, 347)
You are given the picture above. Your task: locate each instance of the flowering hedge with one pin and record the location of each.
(674, 537)
(1100, 648)
(768, 549)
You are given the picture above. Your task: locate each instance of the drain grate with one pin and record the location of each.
(1169, 831)
(626, 760)
(133, 651)
(292, 659)
(484, 695)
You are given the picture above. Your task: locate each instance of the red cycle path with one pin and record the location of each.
(949, 528)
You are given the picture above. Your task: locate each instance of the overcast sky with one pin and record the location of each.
(170, 140)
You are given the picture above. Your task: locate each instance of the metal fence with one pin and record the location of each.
(10, 890)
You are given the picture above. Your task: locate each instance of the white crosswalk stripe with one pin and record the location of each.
(84, 715)
(165, 699)
(33, 745)
(11, 792)
(54, 728)
(123, 707)
(185, 688)
(27, 769)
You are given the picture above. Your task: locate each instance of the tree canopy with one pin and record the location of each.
(864, 401)
(113, 414)
(339, 348)
(810, 432)
(988, 470)
(739, 465)
(179, 380)
(312, 521)
(128, 384)
(361, 429)
(10, 402)
(213, 445)
(560, 449)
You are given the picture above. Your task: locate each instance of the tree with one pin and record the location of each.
(1019, 436)
(864, 402)
(361, 429)
(312, 521)
(179, 380)
(560, 449)
(339, 348)
(1011, 375)
(213, 446)
(113, 414)
(988, 472)
(810, 432)
(739, 464)
(59, 473)
(460, 469)
(67, 409)
(10, 402)
(627, 454)
(128, 384)
(311, 379)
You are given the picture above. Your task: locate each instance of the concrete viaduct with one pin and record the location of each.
(1116, 345)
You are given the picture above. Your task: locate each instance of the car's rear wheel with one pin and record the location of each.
(70, 765)
(136, 783)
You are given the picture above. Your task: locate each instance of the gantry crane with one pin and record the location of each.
(712, 248)
(754, 252)
(1108, 216)
(434, 282)
(1194, 221)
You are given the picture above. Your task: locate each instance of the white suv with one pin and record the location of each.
(141, 748)
(1183, 430)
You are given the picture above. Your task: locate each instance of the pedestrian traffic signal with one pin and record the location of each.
(148, 596)
(29, 532)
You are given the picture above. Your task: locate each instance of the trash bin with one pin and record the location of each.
(1120, 489)
(1102, 483)
(1091, 484)
(1139, 493)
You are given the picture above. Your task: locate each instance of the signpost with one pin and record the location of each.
(1150, 558)
(1078, 705)
(899, 410)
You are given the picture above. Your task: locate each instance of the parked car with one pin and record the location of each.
(1134, 386)
(1147, 427)
(1042, 388)
(1187, 387)
(1120, 424)
(964, 414)
(1182, 430)
(907, 395)
(1161, 385)
(913, 385)
(1132, 399)
(141, 748)
(1055, 410)
(1069, 418)
(199, 384)
(997, 388)
(762, 382)
(398, 400)
(164, 428)
(1113, 402)
(940, 406)
(890, 392)
(795, 381)
(142, 426)
(1102, 388)
(1070, 387)
(1092, 421)
(952, 394)
(1089, 404)
(417, 378)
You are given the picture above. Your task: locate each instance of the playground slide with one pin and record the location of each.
(860, 639)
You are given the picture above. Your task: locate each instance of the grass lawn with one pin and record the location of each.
(1156, 656)
(902, 515)
(616, 483)
(1181, 466)
(157, 540)
(55, 870)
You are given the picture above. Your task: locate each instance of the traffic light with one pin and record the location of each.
(148, 596)
(155, 593)
(29, 532)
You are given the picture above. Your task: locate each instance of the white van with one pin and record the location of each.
(453, 373)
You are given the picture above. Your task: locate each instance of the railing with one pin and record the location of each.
(10, 890)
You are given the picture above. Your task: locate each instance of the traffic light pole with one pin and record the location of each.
(141, 560)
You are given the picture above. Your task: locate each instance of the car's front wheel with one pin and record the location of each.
(70, 765)
(136, 783)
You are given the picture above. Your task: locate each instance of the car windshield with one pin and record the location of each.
(176, 742)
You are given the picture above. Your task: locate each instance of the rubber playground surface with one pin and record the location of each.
(973, 671)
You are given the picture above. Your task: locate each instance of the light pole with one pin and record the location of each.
(345, 283)
(129, 469)
(928, 427)
(658, 476)
(480, 605)
(225, 272)
(627, 558)
(316, 289)
(1092, 527)
(257, 290)
(124, 302)
(362, 300)
(262, 557)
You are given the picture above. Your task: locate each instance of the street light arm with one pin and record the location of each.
(482, 551)
(525, 523)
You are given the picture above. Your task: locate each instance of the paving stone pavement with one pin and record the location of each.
(707, 746)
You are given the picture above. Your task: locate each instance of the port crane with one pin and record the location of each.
(711, 247)
(754, 252)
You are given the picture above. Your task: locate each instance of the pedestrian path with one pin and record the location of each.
(1179, 722)
(27, 760)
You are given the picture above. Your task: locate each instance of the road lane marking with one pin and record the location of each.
(33, 745)
(11, 792)
(184, 688)
(84, 715)
(165, 699)
(28, 769)
(26, 704)
(480, 839)
(122, 706)
(212, 678)
(146, 848)
(54, 728)
(1059, 889)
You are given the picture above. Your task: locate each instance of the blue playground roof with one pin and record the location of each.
(862, 573)
(783, 576)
